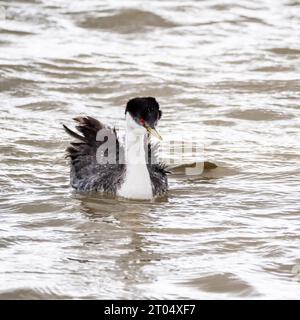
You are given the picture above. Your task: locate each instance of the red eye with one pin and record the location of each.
(142, 121)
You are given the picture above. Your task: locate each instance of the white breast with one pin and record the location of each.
(137, 183)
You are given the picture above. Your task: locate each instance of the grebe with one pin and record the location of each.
(132, 171)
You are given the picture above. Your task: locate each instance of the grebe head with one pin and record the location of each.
(142, 115)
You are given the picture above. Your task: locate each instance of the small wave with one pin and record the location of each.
(13, 83)
(4, 43)
(258, 86)
(253, 20)
(43, 105)
(7, 242)
(222, 123)
(30, 294)
(126, 21)
(273, 69)
(69, 68)
(285, 51)
(223, 283)
(293, 3)
(259, 115)
(16, 32)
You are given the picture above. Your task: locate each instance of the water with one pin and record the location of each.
(227, 68)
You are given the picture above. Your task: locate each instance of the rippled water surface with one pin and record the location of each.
(227, 68)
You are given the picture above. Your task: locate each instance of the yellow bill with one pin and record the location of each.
(154, 133)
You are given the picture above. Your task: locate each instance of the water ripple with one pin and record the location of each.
(126, 21)
(226, 73)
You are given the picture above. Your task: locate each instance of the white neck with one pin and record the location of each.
(137, 183)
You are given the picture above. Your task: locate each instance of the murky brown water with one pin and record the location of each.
(228, 68)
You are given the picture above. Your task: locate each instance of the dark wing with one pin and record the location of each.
(91, 168)
(157, 170)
